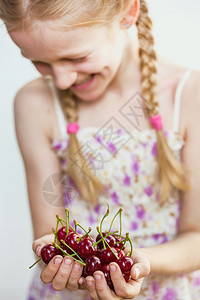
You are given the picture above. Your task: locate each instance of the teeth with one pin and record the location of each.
(85, 80)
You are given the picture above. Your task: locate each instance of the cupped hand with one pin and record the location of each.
(97, 286)
(61, 272)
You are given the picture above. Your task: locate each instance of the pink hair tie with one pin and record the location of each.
(72, 128)
(156, 121)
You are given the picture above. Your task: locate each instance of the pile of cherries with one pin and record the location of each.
(93, 255)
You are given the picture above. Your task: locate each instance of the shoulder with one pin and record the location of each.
(191, 102)
(34, 94)
(34, 103)
(170, 75)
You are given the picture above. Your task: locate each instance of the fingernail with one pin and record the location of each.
(97, 277)
(57, 260)
(89, 283)
(137, 273)
(77, 267)
(68, 261)
(81, 280)
(113, 268)
(37, 250)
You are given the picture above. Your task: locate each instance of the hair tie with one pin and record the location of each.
(72, 128)
(156, 121)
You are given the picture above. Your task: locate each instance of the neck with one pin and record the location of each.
(128, 75)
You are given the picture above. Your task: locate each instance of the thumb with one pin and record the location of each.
(41, 242)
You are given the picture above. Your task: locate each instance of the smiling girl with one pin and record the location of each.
(92, 71)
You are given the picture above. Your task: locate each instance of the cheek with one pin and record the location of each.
(43, 69)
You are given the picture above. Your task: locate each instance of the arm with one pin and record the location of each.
(33, 120)
(33, 126)
(182, 254)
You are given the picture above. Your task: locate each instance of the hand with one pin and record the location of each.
(99, 290)
(61, 272)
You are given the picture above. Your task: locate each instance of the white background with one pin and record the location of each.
(176, 30)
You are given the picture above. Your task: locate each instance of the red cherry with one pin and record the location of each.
(127, 276)
(121, 253)
(107, 256)
(61, 233)
(125, 263)
(93, 264)
(85, 248)
(48, 252)
(71, 241)
(106, 271)
(109, 239)
(119, 243)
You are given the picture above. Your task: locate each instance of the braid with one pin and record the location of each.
(77, 165)
(171, 172)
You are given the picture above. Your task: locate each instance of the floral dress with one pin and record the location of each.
(126, 163)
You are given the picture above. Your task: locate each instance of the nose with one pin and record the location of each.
(64, 76)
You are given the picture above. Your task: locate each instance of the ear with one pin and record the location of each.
(130, 16)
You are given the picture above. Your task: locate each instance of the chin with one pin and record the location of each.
(90, 96)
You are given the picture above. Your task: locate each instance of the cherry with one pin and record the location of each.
(125, 263)
(93, 264)
(121, 253)
(107, 256)
(105, 269)
(109, 239)
(119, 243)
(127, 276)
(85, 248)
(48, 252)
(61, 233)
(71, 241)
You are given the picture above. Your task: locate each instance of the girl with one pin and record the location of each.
(137, 116)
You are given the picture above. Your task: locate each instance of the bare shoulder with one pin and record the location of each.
(34, 94)
(33, 103)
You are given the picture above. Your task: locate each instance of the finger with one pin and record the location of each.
(76, 273)
(102, 289)
(41, 242)
(51, 269)
(122, 288)
(90, 284)
(82, 283)
(141, 267)
(63, 274)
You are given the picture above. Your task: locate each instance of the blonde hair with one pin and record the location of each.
(171, 172)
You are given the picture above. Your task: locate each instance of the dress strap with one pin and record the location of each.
(177, 101)
(58, 110)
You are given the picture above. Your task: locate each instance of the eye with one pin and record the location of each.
(78, 60)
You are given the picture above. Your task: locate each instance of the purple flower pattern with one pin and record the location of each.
(132, 185)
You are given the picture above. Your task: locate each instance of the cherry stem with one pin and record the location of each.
(55, 235)
(84, 230)
(67, 220)
(67, 254)
(131, 244)
(104, 237)
(60, 220)
(120, 218)
(86, 234)
(62, 241)
(119, 212)
(104, 241)
(101, 224)
(56, 238)
(75, 226)
(121, 236)
(35, 263)
(124, 242)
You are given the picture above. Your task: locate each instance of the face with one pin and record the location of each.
(85, 59)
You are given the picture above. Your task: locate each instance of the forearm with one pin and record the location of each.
(181, 255)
